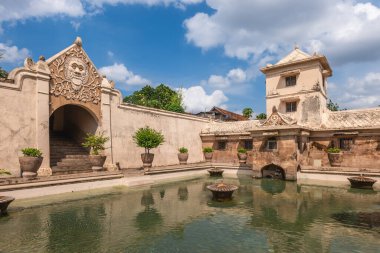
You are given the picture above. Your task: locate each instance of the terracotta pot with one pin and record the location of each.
(97, 161)
(208, 156)
(242, 158)
(335, 159)
(4, 202)
(147, 160)
(29, 166)
(182, 157)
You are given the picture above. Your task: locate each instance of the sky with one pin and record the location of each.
(210, 49)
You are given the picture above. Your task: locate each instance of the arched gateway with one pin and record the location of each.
(75, 108)
(273, 171)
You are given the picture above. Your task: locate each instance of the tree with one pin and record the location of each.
(3, 73)
(261, 116)
(247, 112)
(161, 97)
(148, 138)
(332, 106)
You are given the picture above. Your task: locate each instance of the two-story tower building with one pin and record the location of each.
(297, 87)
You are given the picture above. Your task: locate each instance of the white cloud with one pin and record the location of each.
(234, 76)
(196, 100)
(358, 92)
(120, 74)
(177, 3)
(13, 10)
(75, 25)
(12, 54)
(17, 10)
(345, 30)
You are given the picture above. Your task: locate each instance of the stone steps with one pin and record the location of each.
(67, 156)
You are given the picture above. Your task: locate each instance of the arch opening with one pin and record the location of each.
(68, 126)
(273, 171)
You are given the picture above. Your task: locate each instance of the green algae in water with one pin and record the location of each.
(263, 216)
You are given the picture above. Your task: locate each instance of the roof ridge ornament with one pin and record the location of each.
(78, 41)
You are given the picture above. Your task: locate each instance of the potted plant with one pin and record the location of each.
(5, 200)
(183, 155)
(148, 138)
(30, 162)
(242, 154)
(335, 156)
(208, 151)
(96, 144)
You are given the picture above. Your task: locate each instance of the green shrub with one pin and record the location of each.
(242, 150)
(183, 150)
(148, 138)
(33, 152)
(208, 150)
(95, 142)
(4, 172)
(333, 150)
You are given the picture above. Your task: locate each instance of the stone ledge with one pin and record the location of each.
(343, 173)
(197, 166)
(60, 180)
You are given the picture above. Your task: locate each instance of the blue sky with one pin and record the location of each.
(213, 48)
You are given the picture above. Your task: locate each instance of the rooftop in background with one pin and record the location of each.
(220, 114)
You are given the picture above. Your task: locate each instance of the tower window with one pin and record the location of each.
(290, 81)
(291, 107)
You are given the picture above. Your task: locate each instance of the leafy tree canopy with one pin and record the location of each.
(161, 97)
(247, 112)
(334, 106)
(261, 116)
(3, 73)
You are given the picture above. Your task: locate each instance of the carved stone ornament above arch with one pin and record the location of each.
(74, 80)
(278, 119)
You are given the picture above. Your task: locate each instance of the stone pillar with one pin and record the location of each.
(42, 115)
(106, 121)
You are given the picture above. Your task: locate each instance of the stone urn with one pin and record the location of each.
(361, 182)
(147, 159)
(182, 157)
(29, 166)
(335, 159)
(4, 203)
(208, 156)
(242, 158)
(97, 162)
(222, 191)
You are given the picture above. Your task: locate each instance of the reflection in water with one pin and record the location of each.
(359, 219)
(273, 186)
(147, 199)
(264, 215)
(183, 193)
(148, 219)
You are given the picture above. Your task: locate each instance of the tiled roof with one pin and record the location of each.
(231, 127)
(231, 115)
(364, 118)
(295, 55)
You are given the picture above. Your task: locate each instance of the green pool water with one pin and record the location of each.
(264, 216)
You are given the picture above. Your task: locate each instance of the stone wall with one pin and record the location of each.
(24, 119)
(120, 121)
(364, 153)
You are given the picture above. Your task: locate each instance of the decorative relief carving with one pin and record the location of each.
(74, 77)
(274, 120)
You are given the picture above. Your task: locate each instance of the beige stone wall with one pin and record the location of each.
(17, 121)
(120, 121)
